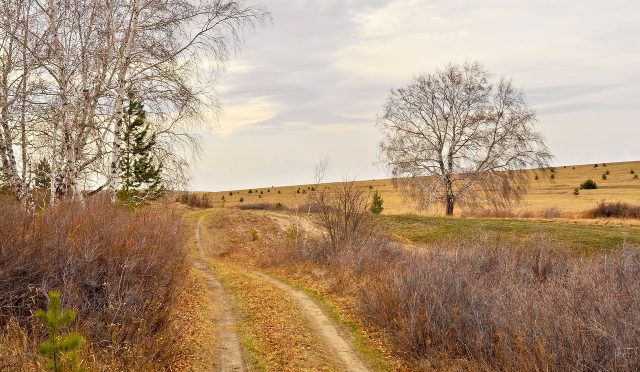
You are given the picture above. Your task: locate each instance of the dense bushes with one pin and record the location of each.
(614, 210)
(504, 309)
(120, 270)
(195, 200)
(491, 307)
(279, 207)
(261, 206)
(589, 185)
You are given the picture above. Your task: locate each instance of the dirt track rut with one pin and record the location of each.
(323, 325)
(230, 353)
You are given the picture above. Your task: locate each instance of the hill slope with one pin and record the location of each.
(543, 194)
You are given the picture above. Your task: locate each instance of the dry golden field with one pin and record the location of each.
(543, 194)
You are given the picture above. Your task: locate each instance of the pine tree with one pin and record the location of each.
(376, 203)
(141, 173)
(4, 185)
(61, 350)
(43, 174)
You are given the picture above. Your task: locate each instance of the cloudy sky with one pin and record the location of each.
(311, 84)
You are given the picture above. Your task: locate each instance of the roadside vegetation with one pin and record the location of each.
(614, 210)
(505, 304)
(121, 271)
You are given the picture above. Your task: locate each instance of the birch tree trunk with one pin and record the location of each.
(121, 91)
(65, 71)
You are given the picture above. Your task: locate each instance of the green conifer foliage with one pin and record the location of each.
(376, 203)
(43, 174)
(141, 173)
(60, 349)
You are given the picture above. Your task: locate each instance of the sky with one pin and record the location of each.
(310, 84)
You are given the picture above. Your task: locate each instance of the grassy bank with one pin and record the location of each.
(584, 237)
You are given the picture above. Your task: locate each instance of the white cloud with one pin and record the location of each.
(312, 83)
(240, 116)
(404, 38)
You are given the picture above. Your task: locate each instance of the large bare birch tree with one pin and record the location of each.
(66, 67)
(459, 135)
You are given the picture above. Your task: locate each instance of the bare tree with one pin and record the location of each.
(343, 210)
(19, 81)
(454, 136)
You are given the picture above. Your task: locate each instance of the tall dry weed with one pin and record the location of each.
(535, 307)
(121, 270)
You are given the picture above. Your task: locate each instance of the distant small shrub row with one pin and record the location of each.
(195, 200)
(504, 213)
(615, 210)
(277, 207)
(261, 206)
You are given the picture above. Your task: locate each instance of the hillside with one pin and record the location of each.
(543, 193)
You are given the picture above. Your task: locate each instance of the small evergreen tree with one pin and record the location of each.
(61, 350)
(43, 174)
(376, 203)
(141, 173)
(4, 186)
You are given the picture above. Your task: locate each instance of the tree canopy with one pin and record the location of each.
(459, 135)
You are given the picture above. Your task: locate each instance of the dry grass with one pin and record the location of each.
(496, 308)
(272, 328)
(492, 307)
(544, 194)
(122, 271)
(484, 305)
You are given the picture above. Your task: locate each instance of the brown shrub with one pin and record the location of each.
(344, 214)
(503, 213)
(551, 213)
(261, 207)
(614, 210)
(491, 307)
(121, 270)
(194, 200)
(505, 309)
(487, 213)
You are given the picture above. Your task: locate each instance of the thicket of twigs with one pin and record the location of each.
(121, 270)
(614, 210)
(483, 306)
(194, 200)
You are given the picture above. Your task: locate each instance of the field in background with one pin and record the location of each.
(543, 194)
(572, 234)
